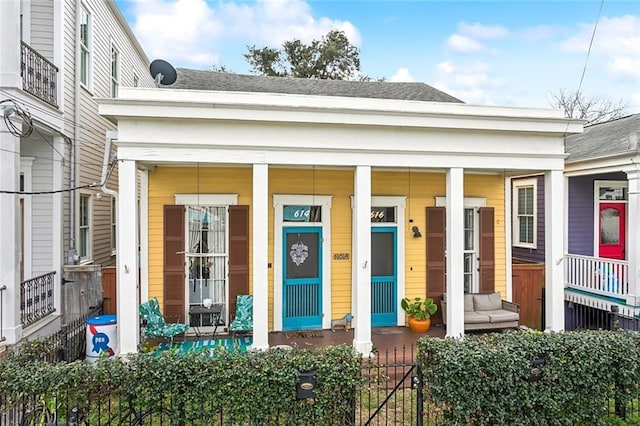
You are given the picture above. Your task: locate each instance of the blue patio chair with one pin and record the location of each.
(154, 324)
(243, 322)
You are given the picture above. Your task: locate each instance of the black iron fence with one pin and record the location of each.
(36, 299)
(39, 75)
(582, 317)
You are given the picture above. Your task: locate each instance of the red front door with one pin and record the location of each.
(612, 230)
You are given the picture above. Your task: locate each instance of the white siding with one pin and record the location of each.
(42, 27)
(107, 28)
(40, 147)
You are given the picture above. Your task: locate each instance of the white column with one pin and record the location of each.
(57, 255)
(362, 260)
(144, 235)
(633, 234)
(127, 259)
(508, 235)
(455, 252)
(10, 44)
(10, 232)
(554, 249)
(260, 240)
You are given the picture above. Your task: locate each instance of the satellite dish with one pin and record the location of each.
(163, 72)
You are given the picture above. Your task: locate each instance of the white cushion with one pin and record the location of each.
(502, 315)
(468, 302)
(487, 302)
(471, 317)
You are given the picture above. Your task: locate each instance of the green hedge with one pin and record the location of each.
(495, 378)
(245, 388)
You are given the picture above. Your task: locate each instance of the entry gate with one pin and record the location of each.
(392, 392)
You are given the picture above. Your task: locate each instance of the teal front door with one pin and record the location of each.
(384, 276)
(302, 272)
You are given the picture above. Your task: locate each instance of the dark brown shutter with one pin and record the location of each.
(487, 250)
(436, 261)
(173, 270)
(238, 255)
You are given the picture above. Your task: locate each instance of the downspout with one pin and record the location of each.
(72, 258)
(110, 136)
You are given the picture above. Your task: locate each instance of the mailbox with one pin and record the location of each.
(306, 386)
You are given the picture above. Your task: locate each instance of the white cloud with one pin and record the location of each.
(402, 75)
(464, 44)
(471, 82)
(477, 30)
(191, 32)
(625, 66)
(616, 42)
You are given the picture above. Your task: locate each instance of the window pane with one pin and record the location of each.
(382, 255)
(468, 229)
(525, 200)
(302, 255)
(609, 226)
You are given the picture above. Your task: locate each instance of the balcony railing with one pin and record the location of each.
(605, 277)
(2, 289)
(39, 75)
(36, 299)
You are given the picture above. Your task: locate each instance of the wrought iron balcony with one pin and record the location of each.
(36, 299)
(39, 75)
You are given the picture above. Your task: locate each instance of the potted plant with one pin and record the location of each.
(419, 311)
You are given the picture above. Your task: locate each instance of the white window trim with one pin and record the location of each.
(207, 199)
(88, 258)
(279, 201)
(89, 46)
(597, 184)
(517, 184)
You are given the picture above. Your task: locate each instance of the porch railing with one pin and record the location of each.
(2, 290)
(606, 277)
(36, 299)
(39, 75)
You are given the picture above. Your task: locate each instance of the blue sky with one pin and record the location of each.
(511, 53)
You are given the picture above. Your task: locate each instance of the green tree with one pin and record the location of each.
(331, 58)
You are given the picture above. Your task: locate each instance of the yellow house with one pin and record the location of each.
(322, 198)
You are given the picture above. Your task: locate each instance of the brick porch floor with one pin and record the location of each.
(384, 338)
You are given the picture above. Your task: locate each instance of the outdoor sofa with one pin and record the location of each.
(483, 311)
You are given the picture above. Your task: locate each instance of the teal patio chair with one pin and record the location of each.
(243, 322)
(155, 325)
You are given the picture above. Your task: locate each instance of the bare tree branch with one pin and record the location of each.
(593, 110)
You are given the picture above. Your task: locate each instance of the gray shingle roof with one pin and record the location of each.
(607, 139)
(208, 80)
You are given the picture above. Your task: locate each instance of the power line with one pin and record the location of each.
(91, 185)
(584, 68)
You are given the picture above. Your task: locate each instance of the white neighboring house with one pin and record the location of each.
(57, 57)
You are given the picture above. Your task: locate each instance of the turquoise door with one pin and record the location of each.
(384, 276)
(302, 272)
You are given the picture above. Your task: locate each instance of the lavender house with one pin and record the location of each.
(602, 241)
(602, 171)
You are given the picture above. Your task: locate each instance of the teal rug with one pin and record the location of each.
(239, 344)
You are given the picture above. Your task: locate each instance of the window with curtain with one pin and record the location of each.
(207, 254)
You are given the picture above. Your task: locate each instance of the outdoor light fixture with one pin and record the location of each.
(416, 232)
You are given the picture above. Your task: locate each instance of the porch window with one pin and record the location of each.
(85, 46)
(524, 213)
(207, 254)
(84, 230)
(470, 254)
